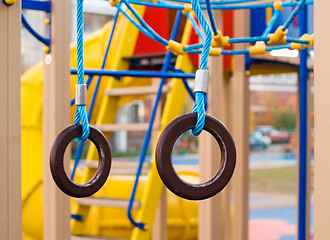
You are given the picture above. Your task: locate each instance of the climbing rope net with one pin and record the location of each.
(212, 39)
(212, 43)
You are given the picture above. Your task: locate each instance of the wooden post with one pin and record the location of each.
(240, 118)
(309, 157)
(214, 213)
(56, 116)
(322, 123)
(10, 122)
(159, 230)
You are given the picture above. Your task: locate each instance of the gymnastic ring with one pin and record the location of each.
(57, 168)
(164, 158)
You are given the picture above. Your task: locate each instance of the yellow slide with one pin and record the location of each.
(182, 215)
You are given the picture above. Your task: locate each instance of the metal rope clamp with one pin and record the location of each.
(63, 140)
(173, 131)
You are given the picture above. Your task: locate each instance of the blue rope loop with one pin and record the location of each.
(199, 108)
(81, 118)
(81, 114)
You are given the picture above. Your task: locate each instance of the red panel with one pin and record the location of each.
(228, 30)
(157, 19)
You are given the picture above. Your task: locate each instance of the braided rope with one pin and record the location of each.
(199, 105)
(208, 34)
(81, 114)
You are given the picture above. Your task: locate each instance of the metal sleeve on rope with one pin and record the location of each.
(201, 81)
(81, 95)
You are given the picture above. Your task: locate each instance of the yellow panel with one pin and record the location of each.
(269, 13)
(123, 45)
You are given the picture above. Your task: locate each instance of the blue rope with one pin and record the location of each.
(199, 108)
(199, 105)
(171, 5)
(92, 103)
(271, 23)
(145, 25)
(293, 15)
(211, 17)
(195, 26)
(81, 114)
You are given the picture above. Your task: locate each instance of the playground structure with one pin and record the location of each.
(123, 44)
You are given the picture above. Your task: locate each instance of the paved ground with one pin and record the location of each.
(271, 217)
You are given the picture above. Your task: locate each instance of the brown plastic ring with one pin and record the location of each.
(57, 168)
(164, 158)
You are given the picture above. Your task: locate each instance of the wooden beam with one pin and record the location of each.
(214, 212)
(159, 228)
(56, 116)
(240, 129)
(309, 157)
(107, 202)
(322, 123)
(116, 127)
(133, 91)
(10, 122)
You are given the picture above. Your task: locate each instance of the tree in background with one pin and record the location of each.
(285, 119)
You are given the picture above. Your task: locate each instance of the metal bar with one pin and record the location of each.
(134, 73)
(45, 6)
(28, 27)
(303, 77)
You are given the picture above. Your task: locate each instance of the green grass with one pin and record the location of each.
(274, 180)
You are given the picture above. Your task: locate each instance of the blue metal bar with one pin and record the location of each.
(134, 73)
(167, 62)
(28, 27)
(303, 116)
(45, 6)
